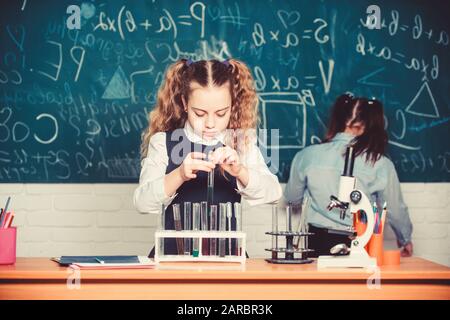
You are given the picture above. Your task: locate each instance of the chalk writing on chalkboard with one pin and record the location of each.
(74, 101)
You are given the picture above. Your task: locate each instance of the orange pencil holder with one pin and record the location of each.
(375, 247)
(391, 258)
(8, 245)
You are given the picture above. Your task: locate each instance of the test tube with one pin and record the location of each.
(289, 218)
(302, 242)
(229, 214)
(162, 227)
(205, 227)
(210, 186)
(289, 237)
(187, 226)
(275, 230)
(238, 217)
(213, 227)
(177, 222)
(222, 227)
(305, 239)
(195, 227)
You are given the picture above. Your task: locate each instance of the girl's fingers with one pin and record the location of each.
(231, 159)
(202, 167)
(198, 155)
(189, 175)
(217, 158)
(210, 156)
(226, 160)
(229, 156)
(202, 162)
(217, 154)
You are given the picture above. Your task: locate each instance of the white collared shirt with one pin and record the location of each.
(263, 186)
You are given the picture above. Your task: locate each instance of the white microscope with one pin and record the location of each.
(352, 200)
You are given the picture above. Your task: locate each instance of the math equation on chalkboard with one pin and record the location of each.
(79, 78)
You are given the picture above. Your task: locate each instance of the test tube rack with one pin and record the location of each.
(290, 251)
(239, 235)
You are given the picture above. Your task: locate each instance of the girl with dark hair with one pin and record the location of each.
(316, 170)
(205, 116)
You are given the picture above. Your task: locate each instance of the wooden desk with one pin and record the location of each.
(40, 278)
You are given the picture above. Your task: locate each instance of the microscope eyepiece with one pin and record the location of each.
(349, 162)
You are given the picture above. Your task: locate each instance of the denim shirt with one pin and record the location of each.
(315, 173)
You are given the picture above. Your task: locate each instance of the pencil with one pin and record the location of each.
(11, 218)
(383, 217)
(7, 204)
(376, 217)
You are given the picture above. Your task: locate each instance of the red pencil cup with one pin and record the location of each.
(8, 245)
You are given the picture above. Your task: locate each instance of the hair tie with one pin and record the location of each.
(348, 97)
(351, 95)
(226, 62)
(189, 62)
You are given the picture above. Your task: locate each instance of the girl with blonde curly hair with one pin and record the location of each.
(205, 117)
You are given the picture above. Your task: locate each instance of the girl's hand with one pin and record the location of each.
(228, 159)
(407, 250)
(193, 163)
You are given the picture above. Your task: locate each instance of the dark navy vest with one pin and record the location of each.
(195, 189)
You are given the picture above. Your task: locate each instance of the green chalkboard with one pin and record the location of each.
(73, 102)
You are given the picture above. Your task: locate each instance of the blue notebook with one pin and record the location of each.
(67, 260)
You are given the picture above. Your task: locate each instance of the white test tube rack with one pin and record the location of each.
(238, 235)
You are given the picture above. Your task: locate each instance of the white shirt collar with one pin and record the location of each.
(194, 137)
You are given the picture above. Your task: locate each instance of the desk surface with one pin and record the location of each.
(411, 272)
(254, 269)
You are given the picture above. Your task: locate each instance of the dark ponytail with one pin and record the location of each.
(347, 111)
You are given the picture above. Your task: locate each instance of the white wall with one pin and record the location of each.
(83, 219)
